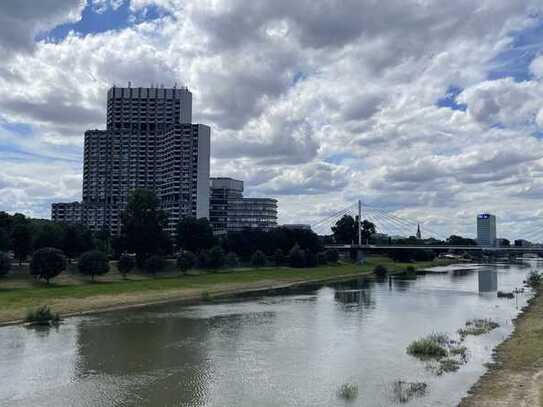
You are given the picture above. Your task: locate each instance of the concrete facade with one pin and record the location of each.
(149, 143)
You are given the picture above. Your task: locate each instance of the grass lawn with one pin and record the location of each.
(70, 293)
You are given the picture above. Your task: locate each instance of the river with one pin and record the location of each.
(291, 349)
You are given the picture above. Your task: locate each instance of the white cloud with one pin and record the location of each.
(316, 103)
(21, 20)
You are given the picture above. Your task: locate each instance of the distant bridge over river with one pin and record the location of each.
(406, 229)
(377, 247)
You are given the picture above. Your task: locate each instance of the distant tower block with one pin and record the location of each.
(419, 235)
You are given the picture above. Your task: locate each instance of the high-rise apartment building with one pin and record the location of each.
(150, 143)
(486, 230)
(229, 211)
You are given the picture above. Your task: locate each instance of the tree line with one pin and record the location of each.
(143, 233)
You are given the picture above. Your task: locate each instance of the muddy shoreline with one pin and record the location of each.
(515, 376)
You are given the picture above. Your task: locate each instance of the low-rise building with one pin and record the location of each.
(229, 211)
(67, 212)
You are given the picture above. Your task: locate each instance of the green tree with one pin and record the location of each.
(5, 264)
(296, 257)
(47, 263)
(231, 260)
(103, 240)
(48, 235)
(455, 240)
(21, 241)
(258, 259)
(125, 264)
(143, 224)
(185, 261)
(4, 239)
(367, 230)
(77, 239)
(216, 257)
(194, 234)
(279, 258)
(345, 230)
(93, 263)
(154, 264)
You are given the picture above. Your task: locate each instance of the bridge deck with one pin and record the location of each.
(437, 247)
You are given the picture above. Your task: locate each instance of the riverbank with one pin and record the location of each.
(515, 379)
(72, 297)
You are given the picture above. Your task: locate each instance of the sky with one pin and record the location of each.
(429, 110)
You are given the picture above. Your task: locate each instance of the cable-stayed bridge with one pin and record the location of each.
(404, 228)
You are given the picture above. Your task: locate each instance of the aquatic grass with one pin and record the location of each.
(459, 351)
(348, 391)
(403, 392)
(429, 347)
(477, 327)
(448, 365)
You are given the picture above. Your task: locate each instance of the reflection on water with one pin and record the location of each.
(488, 280)
(295, 348)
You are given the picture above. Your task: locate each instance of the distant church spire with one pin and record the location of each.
(419, 235)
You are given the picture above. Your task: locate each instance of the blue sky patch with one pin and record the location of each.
(18, 128)
(515, 61)
(93, 22)
(449, 100)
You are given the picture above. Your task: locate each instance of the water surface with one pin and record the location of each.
(292, 349)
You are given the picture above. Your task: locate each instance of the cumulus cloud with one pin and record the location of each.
(21, 20)
(315, 102)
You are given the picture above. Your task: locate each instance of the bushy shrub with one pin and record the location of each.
(93, 263)
(534, 279)
(311, 259)
(322, 259)
(296, 257)
(410, 270)
(154, 264)
(332, 255)
(380, 270)
(258, 259)
(126, 264)
(279, 258)
(185, 261)
(42, 316)
(231, 260)
(5, 264)
(216, 257)
(203, 260)
(47, 263)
